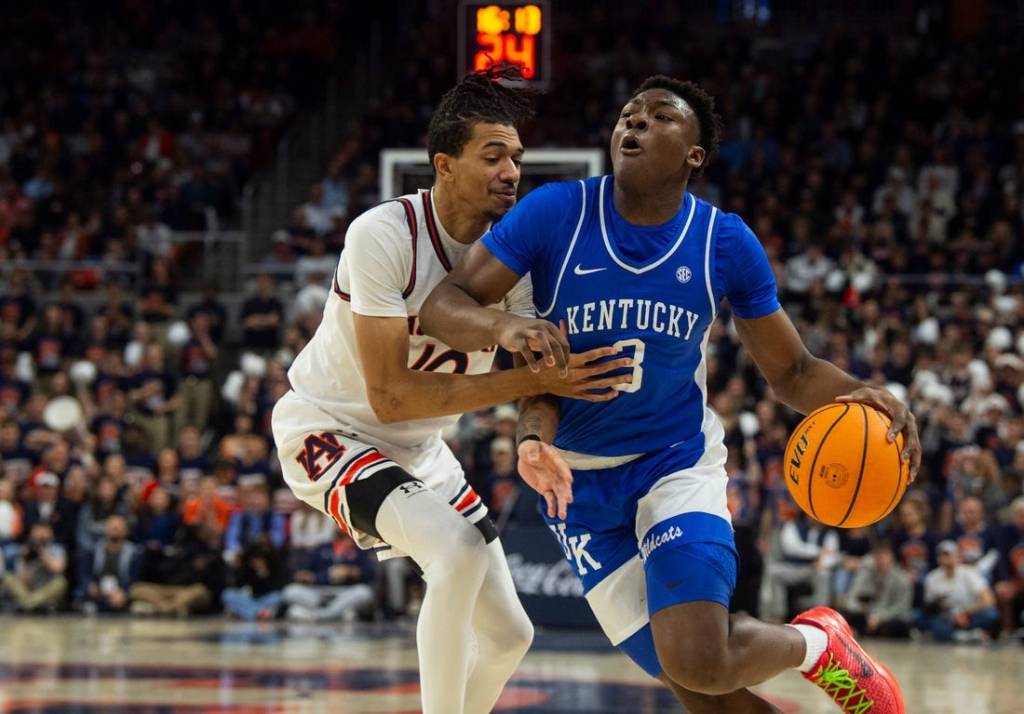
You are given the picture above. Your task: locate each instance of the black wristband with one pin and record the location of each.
(528, 437)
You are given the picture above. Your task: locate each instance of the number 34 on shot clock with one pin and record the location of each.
(513, 32)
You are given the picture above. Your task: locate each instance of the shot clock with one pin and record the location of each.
(513, 32)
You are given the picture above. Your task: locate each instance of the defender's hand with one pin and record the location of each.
(902, 421)
(546, 473)
(582, 377)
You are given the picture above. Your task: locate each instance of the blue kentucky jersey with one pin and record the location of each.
(652, 290)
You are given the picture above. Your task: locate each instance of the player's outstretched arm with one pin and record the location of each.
(398, 393)
(455, 313)
(804, 382)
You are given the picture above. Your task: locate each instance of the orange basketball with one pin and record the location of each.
(841, 470)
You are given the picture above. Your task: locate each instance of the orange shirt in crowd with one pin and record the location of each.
(194, 507)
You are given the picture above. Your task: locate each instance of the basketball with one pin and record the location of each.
(840, 468)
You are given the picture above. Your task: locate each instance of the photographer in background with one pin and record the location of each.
(38, 583)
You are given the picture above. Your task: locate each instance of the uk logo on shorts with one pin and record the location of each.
(654, 541)
(575, 549)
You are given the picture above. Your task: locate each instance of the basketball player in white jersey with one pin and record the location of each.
(359, 434)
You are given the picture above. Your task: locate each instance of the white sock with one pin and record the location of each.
(816, 641)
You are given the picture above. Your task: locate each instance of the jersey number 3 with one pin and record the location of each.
(638, 359)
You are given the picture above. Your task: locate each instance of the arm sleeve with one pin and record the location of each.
(378, 265)
(742, 271)
(520, 239)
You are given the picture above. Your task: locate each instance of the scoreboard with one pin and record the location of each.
(513, 32)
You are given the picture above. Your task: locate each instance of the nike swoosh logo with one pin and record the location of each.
(866, 669)
(580, 271)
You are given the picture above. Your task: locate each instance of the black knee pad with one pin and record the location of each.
(365, 496)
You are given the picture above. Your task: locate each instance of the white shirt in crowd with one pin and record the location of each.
(956, 593)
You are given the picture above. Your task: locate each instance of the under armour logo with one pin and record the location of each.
(410, 487)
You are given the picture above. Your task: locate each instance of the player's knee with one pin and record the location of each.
(462, 558)
(519, 634)
(705, 670)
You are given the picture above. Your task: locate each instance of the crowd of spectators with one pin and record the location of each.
(883, 173)
(123, 124)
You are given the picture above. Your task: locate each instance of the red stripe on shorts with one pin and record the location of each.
(361, 463)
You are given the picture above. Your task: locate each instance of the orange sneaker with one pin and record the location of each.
(856, 683)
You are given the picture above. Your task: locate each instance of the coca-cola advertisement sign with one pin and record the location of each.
(550, 579)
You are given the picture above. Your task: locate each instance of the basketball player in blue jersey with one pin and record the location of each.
(635, 261)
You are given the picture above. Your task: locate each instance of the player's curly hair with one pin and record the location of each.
(479, 97)
(703, 105)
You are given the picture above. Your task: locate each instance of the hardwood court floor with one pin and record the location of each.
(202, 666)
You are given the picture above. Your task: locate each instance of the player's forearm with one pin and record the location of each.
(455, 318)
(814, 383)
(538, 416)
(424, 395)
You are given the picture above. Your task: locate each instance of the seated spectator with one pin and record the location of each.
(806, 553)
(37, 583)
(1010, 587)
(189, 578)
(881, 598)
(262, 577)
(192, 462)
(208, 508)
(335, 584)
(92, 518)
(156, 528)
(111, 569)
(254, 522)
(48, 507)
(914, 542)
(308, 529)
(168, 473)
(979, 544)
(959, 604)
(854, 546)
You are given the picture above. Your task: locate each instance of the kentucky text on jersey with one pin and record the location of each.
(651, 291)
(631, 313)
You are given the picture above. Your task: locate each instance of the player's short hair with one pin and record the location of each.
(479, 97)
(703, 105)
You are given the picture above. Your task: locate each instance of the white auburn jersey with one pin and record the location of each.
(394, 255)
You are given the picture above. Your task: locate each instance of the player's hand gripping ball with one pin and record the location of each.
(840, 467)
